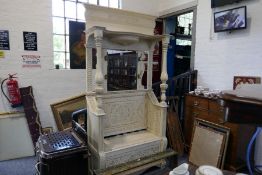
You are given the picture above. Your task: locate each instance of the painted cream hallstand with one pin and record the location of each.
(123, 125)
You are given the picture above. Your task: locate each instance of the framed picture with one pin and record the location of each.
(239, 80)
(77, 45)
(209, 144)
(47, 130)
(63, 110)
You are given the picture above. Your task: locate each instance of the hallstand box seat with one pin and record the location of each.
(133, 127)
(126, 122)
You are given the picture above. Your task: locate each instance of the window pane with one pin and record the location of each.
(183, 42)
(103, 3)
(67, 44)
(113, 3)
(67, 60)
(58, 7)
(93, 2)
(70, 9)
(58, 26)
(59, 59)
(80, 11)
(67, 25)
(59, 42)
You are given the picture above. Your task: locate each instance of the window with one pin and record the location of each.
(64, 11)
(185, 21)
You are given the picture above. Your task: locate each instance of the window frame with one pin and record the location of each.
(66, 49)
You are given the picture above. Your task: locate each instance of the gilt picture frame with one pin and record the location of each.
(63, 110)
(238, 81)
(209, 144)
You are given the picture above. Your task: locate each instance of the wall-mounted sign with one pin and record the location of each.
(2, 54)
(30, 41)
(31, 61)
(4, 40)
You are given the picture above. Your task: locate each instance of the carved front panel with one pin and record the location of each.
(133, 153)
(124, 114)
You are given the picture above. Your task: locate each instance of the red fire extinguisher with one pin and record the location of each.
(13, 91)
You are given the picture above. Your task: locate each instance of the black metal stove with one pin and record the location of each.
(59, 141)
(64, 152)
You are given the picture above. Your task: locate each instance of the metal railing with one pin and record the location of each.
(178, 86)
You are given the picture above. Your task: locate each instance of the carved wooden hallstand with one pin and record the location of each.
(123, 125)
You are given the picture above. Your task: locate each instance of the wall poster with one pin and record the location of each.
(4, 40)
(30, 41)
(31, 61)
(2, 54)
(77, 45)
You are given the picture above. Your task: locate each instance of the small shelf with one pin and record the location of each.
(183, 56)
(182, 36)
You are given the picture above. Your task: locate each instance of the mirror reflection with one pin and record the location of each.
(122, 70)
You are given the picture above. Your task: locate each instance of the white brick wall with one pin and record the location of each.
(220, 56)
(149, 7)
(169, 4)
(49, 85)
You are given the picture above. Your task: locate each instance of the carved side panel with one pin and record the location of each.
(94, 125)
(133, 153)
(154, 118)
(124, 114)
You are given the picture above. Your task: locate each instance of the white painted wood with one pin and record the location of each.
(124, 113)
(164, 76)
(123, 125)
(89, 81)
(119, 20)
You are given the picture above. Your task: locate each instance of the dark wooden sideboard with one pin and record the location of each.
(209, 109)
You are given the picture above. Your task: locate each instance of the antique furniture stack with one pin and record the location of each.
(126, 122)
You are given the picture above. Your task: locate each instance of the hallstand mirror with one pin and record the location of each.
(121, 70)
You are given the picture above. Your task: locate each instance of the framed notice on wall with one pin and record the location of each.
(4, 40)
(30, 41)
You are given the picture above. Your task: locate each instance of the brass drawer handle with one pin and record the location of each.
(221, 121)
(195, 114)
(196, 103)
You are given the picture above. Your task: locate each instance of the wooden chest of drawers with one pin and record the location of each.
(210, 110)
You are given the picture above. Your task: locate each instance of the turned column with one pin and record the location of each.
(150, 65)
(99, 78)
(89, 84)
(164, 76)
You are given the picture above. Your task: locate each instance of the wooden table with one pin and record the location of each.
(243, 105)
